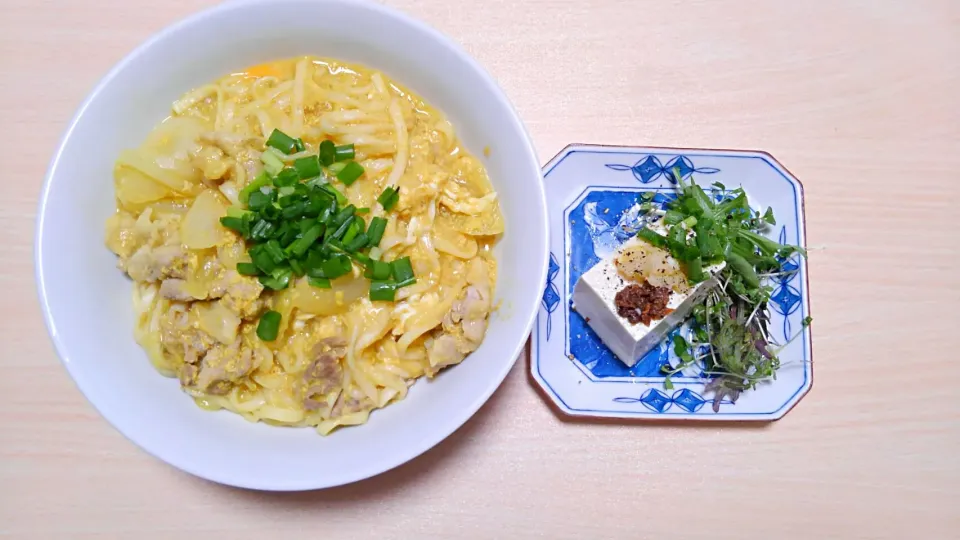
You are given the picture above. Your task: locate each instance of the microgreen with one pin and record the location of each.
(731, 324)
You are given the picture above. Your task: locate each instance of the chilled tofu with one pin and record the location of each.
(594, 297)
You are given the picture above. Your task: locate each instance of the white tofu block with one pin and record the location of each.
(594, 299)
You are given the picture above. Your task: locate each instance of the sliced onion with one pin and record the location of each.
(200, 228)
(336, 299)
(217, 320)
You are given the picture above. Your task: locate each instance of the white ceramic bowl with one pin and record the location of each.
(86, 300)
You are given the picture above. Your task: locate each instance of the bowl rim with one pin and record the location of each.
(235, 479)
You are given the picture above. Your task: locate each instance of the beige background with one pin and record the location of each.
(860, 99)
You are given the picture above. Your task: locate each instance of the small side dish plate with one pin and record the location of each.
(592, 199)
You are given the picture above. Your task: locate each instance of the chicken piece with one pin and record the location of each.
(151, 264)
(162, 230)
(458, 199)
(467, 319)
(324, 375)
(336, 345)
(349, 403)
(419, 191)
(475, 303)
(179, 337)
(474, 330)
(472, 312)
(444, 351)
(223, 366)
(239, 294)
(230, 143)
(212, 162)
(188, 374)
(243, 150)
(176, 289)
(122, 237)
(191, 344)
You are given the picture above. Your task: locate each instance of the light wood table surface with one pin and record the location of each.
(860, 99)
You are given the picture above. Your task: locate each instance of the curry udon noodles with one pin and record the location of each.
(306, 239)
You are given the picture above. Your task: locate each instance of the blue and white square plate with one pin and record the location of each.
(592, 194)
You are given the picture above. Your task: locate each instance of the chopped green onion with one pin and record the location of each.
(263, 179)
(389, 198)
(344, 152)
(343, 215)
(269, 326)
(234, 223)
(336, 168)
(378, 270)
(673, 217)
(336, 266)
(362, 210)
(313, 259)
(270, 211)
(328, 153)
(285, 196)
(294, 211)
(406, 282)
(316, 182)
(282, 142)
(302, 244)
(351, 171)
(357, 243)
(316, 203)
(306, 223)
(325, 214)
(383, 291)
(258, 200)
(247, 269)
(237, 212)
(319, 282)
(298, 145)
(286, 177)
(277, 280)
(261, 230)
(352, 232)
(288, 234)
(341, 198)
(276, 253)
(272, 163)
(262, 259)
(296, 267)
(402, 269)
(652, 237)
(342, 229)
(375, 231)
(360, 258)
(307, 167)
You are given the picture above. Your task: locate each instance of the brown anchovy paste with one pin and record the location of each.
(642, 303)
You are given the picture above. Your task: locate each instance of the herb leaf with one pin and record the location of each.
(730, 327)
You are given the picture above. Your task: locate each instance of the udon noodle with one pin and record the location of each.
(338, 354)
